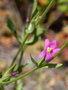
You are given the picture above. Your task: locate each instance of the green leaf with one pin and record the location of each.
(25, 65)
(59, 65)
(50, 65)
(30, 41)
(33, 40)
(40, 31)
(35, 15)
(20, 68)
(36, 64)
(30, 28)
(12, 27)
(40, 61)
(34, 10)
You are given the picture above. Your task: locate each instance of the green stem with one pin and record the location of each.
(65, 45)
(21, 56)
(20, 48)
(19, 77)
(45, 12)
(40, 87)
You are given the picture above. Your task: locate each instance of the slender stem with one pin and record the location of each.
(62, 48)
(21, 56)
(20, 48)
(19, 77)
(40, 87)
(45, 12)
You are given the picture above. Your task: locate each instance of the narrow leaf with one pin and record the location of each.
(50, 65)
(11, 26)
(40, 61)
(34, 10)
(59, 65)
(40, 30)
(34, 61)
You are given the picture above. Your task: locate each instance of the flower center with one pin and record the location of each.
(49, 50)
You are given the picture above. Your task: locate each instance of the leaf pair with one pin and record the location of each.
(35, 36)
(41, 64)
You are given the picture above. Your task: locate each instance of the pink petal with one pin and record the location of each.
(43, 53)
(53, 44)
(55, 51)
(46, 43)
(13, 73)
(48, 57)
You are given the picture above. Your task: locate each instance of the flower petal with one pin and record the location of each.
(53, 44)
(13, 73)
(55, 51)
(48, 57)
(46, 43)
(43, 53)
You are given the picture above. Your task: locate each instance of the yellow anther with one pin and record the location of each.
(49, 50)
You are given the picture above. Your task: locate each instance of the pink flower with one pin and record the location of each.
(13, 73)
(49, 50)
